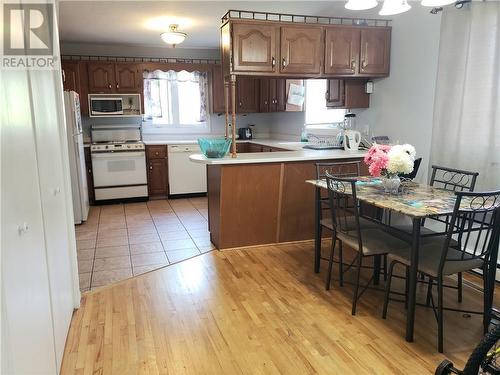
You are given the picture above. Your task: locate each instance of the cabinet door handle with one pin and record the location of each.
(273, 62)
(363, 64)
(327, 95)
(265, 102)
(117, 86)
(353, 65)
(283, 63)
(109, 86)
(64, 76)
(240, 103)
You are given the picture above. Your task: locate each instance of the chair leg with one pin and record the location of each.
(460, 287)
(388, 290)
(356, 286)
(407, 285)
(376, 269)
(486, 294)
(440, 313)
(330, 263)
(385, 267)
(429, 292)
(341, 264)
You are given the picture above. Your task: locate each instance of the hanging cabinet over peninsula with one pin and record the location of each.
(290, 49)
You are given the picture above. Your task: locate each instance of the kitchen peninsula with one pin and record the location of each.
(262, 198)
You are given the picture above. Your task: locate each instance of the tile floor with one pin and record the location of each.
(123, 240)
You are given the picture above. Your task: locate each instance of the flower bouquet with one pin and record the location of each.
(389, 162)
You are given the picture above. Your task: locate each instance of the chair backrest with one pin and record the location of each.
(344, 205)
(413, 174)
(338, 169)
(453, 179)
(476, 218)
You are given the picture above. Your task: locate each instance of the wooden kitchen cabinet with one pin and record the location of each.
(104, 77)
(217, 90)
(254, 47)
(342, 45)
(75, 79)
(301, 49)
(347, 94)
(127, 78)
(335, 93)
(247, 95)
(156, 157)
(272, 95)
(375, 51)
(101, 78)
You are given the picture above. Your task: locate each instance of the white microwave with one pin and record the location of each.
(106, 106)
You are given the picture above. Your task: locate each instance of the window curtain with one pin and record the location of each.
(466, 123)
(152, 82)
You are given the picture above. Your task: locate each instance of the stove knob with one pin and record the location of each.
(106, 147)
(128, 146)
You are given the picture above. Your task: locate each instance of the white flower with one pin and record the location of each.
(401, 158)
(410, 150)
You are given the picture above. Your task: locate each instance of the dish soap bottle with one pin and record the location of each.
(303, 135)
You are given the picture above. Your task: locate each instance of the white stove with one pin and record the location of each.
(118, 164)
(116, 146)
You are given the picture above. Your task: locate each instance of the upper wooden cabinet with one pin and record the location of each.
(101, 77)
(107, 77)
(301, 49)
(342, 46)
(75, 79)
(349, 93)
(254, 47)
(272, 95)
(127, 78)
(375, 51)
(271, 48)
(247, 91)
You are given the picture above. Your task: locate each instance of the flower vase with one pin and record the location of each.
(391, 184)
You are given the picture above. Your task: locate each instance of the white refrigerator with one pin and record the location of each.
(76, 156)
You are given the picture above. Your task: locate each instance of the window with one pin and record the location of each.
(318, 115)
(175, 101)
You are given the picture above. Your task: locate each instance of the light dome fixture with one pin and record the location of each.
(173, 36)
(361, 4)
(436, 3)
(392, 7)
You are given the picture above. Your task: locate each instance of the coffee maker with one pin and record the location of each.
(245, 133)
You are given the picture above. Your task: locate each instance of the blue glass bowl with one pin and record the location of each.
(214, 148)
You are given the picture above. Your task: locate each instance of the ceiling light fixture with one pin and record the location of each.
(392, 7)
(436, 3)
(361, 4)
(173, 36)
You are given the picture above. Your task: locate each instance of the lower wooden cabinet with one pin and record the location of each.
(157, 170)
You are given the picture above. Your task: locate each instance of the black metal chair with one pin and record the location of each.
(450, 179)
(472, 237)
(338, 169)
(413, 174)
(347, 229)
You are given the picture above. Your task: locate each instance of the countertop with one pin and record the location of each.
(296, 153)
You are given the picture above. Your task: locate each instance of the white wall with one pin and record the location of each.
(402, 105)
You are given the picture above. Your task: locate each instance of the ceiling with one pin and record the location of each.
(141, 22)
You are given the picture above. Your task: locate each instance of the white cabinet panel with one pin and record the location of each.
(60, 248)
(26, 308)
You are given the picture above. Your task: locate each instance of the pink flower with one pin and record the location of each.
(377, 159)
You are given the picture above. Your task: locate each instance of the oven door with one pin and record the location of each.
(106, 106)
(119, 168)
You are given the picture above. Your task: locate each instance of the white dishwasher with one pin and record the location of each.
(185, 176)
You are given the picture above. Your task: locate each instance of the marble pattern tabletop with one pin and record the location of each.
(416, 200)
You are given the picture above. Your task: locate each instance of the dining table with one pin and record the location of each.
(417, 202)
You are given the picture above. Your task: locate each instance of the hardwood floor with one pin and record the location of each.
(255, 311)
